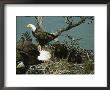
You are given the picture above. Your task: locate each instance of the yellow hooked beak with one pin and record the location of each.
(28, 26)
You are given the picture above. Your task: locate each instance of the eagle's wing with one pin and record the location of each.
(40, 33)
(43, 37)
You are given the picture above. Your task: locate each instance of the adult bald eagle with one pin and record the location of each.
(42, 36)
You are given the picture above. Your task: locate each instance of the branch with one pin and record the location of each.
(39, 20)
(70, 24)
(69, 20)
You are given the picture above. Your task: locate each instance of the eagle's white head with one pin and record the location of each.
(32, 27)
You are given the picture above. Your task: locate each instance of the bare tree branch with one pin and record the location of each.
(69, 20)
(39, 20)
(70, 24)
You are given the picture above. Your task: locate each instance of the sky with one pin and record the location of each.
(52, 23)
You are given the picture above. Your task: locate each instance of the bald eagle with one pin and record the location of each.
(42, 36)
